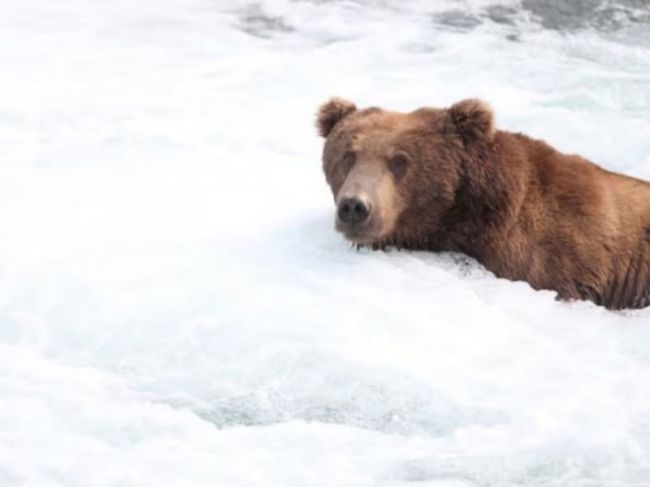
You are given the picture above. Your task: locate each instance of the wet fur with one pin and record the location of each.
(517, 205)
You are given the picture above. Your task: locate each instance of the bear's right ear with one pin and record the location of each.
(331, 113)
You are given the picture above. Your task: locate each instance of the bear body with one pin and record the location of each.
(448, 180)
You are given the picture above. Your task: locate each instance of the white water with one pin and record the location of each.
(177, 310)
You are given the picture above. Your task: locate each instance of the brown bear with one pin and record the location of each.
(448, 180)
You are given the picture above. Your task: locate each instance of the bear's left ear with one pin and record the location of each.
(332, 112)
(474, 119)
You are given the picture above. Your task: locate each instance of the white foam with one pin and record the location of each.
(177, 309)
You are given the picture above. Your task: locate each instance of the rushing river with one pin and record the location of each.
(176, 308)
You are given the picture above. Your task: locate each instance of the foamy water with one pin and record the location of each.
(176, 308)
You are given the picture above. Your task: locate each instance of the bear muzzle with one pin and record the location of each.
(357, 220)
(352, 211)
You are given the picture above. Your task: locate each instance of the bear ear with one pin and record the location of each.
(331, 113)
(474, 119)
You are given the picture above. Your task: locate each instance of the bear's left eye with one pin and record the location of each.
(398, 164)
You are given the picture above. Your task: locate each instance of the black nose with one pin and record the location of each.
(352, 211)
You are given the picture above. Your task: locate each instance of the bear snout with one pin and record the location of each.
(352, 211)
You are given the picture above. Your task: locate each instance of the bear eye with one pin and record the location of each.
(349, 158)
(398, 164)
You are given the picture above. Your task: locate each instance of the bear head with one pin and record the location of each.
(395, 175)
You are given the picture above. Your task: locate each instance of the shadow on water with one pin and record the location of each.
(626, 20)
(559, 15)
(314, 387)
(568, 15)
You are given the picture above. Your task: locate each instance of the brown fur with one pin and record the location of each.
(517, 205)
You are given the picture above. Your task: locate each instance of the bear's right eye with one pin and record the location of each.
(349, 158)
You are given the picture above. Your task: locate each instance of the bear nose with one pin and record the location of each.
(352, 211)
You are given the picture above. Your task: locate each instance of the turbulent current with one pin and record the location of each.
(176, 308)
